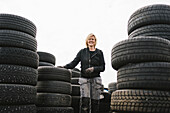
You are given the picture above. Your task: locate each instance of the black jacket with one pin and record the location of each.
(96, 61)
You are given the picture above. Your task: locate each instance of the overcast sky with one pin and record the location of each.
(63, 25)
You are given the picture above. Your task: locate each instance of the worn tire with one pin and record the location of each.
(46, 57)
(12, 38)
(54, 87)
(18, 56)
(146, 101)
(140, 49)
(55, 110)
(45, 64)
(149, 15)
(18, 108)
(53, 74)
(13, 94)
(14, 74)
(18, 23)
(149, 75)
(53, 100)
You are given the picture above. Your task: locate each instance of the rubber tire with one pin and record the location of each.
(159, 30)
(11, 38)
(54, 87)
(18, 23)
(140, 49)
(18, 108)
(54, 74)
(146, 101)
(149, 15)
(45, 64)
(14, 74)
(46, 57)
(53, 100)
(18, 56)
(14, 94)
(55, 110)
(148, 75)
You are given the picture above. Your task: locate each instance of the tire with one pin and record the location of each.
(75, 90)
(76, 103)
(18, 56)
(153, 14)
(11, 38)
(55, 110)
(45, 64)
(150, 75)
(140, 49)
(75, 81)
(54, 87)
(146, 101)
(76, 74)
(112, 87)
(53, 74)
(12, 94)
(159, 30)
(46, 57)
(14, 74)
(18, 23)
(53, 100)
(105, 102)
(18, 108)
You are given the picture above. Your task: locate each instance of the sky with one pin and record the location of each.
(63, 25)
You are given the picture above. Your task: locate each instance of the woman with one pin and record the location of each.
(92, 63)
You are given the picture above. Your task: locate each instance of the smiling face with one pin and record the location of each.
(91, 40)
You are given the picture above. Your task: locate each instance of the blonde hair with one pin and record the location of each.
(91, 35)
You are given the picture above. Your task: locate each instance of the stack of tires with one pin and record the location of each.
(75, 90)
(46, 59)
(18, 64)
(112, 87)
(143, 63)
(53, 90)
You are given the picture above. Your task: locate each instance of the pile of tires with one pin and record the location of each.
(53, 90)
(75, 90)
(46, 59)
(142, 62)
(18, 64)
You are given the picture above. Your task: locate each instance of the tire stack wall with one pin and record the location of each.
(75, 90)
(53, 90)
(18, 64)
(142, 62)
(46, 59)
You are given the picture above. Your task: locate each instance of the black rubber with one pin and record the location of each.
(112, 87)
(146, 101)
(45, 64)
(18, 23)
(75, 90)
(55, 110)
(46, 57)
(14, 94)
(149, 15)
(140, 49)
(76, 74)
(54, 74)
(76, 103)
(159, 30)
(14, 74)
(18, 56)
(11, 38)
(54, 87)
(149, 75)
(18, 108)
(75, 81)
(53, 100)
